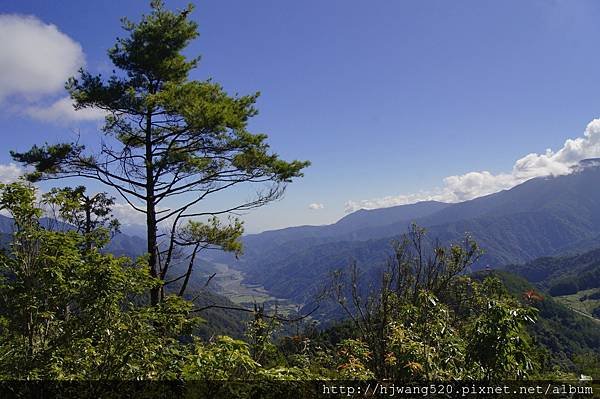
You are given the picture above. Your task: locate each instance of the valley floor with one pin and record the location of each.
(230, 283)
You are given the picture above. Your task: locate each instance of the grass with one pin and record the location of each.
(574, 301)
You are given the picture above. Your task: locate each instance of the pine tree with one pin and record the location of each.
(169, 142)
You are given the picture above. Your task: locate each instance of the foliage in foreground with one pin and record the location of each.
(426, 320)
(71, 312)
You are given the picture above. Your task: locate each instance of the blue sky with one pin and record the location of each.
(388, 99)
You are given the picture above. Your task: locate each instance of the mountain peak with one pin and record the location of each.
(588, 163)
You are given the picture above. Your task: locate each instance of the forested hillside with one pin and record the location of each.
(541, 217)
(410, 294)
(566, 336)
(70, 311)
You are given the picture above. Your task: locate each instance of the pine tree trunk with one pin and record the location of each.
(152, 259)
(88, 223)
(151, 212)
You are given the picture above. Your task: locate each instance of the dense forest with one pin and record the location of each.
(72, 312)
(76, 306)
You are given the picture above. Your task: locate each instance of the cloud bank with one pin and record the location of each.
(10, 173)
(476, 184)
(62, 110)
(128, 216)
(36, 59)
(315, 206)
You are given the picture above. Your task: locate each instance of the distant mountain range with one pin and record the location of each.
(546, 230)
(546, 216)
(563, 275)
(120, 245)
(542, 217)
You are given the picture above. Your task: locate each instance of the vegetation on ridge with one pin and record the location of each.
(71, 311)
(68, 311)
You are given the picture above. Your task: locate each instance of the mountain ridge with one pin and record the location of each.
(541, 217)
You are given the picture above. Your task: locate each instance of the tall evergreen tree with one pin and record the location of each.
(169, 142)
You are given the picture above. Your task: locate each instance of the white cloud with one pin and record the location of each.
(391, 200)
(10, 173)
(316, 206)
(36, 59)
(62, 110)
(475, 184)
(126, 215)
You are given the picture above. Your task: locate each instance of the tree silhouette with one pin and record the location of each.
(168, 142)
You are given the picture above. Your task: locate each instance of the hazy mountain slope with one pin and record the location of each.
(563, 275)
(371, 218)
(353, 226)
(543, 270)
(6, 224)
(574, 198)
(506, 239)
(126, 245)
(543, 216)
(120, 245)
